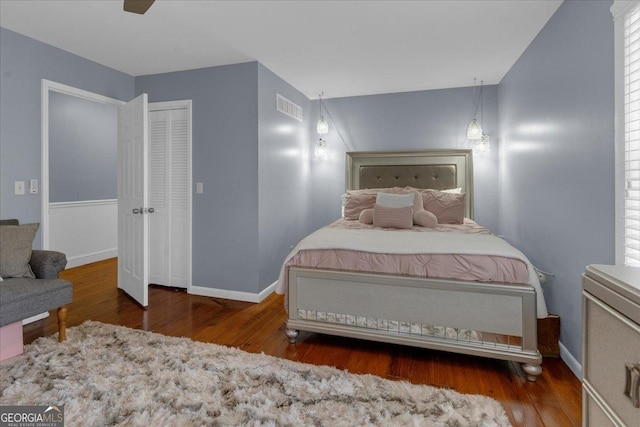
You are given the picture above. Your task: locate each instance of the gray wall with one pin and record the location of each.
(83, 139)
(23, 63)
(557, 160)
(284, 175)
(226, 135)
(254, 164)
(225, 159)
(405, 121)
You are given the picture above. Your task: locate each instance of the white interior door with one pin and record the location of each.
(169, 195)
(133, 144)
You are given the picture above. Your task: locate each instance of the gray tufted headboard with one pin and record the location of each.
(436, 169)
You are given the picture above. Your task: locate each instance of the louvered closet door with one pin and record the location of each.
(179, 198)
(169, 196)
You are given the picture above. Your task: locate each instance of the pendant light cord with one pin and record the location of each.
(478, 102)
(334, 124)
(481, 109)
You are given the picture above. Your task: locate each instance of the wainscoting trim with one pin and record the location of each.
(86, 231)
(62, 205)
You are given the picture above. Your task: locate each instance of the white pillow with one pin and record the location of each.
(389, 200)
(453, 190)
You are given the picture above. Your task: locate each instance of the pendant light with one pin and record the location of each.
(474, 130)
(323, 126)
(482, 144)
(320, 149)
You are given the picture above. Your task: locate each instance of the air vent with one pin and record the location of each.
(287, 107)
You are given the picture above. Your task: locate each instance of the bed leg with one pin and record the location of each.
(532, 371)
(292, 334)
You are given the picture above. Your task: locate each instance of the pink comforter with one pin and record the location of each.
(481, 268)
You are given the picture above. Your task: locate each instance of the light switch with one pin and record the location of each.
(18, 188)
(33, 186)
(199, 188)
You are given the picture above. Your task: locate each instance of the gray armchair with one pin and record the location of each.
(45, 264)
(21, 298)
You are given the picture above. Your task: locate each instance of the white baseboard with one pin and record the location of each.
(35, 318)
(77, 261)
(267, 291)
(571, 361)
(234, 295)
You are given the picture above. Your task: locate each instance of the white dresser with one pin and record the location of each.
(611, 346)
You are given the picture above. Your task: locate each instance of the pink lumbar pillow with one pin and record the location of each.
(366, 216)
(387, 217)
(425, 219)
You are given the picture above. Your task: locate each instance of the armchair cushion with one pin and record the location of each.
(15, 250)
(21, 297)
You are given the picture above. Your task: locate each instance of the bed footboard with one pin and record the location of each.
(479, 319)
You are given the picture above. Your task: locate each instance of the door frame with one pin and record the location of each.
(180, 105)
(48, 86)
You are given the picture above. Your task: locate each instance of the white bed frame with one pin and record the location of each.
(494, 320)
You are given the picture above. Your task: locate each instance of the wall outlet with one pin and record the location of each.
(199, 188)
(33, 186)
(18, 188)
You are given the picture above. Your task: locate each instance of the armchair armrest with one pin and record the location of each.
(47, 264)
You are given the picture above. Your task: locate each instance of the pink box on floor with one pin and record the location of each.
(10, 341)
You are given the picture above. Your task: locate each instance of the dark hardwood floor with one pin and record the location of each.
(554, 400)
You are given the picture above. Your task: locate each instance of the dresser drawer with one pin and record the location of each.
(594, 415)
(612, 340)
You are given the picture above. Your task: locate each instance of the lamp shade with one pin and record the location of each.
(483, 144)
(474, 131)
(323, 126)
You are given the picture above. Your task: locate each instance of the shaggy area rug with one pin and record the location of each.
(111, 375)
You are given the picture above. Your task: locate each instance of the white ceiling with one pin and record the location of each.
(344, 48)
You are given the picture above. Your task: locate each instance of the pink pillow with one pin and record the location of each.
(392, 217)
(425, 219)
(366, 216)
(355, 201)
(449, 208)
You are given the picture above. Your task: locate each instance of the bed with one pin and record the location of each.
(492, 318)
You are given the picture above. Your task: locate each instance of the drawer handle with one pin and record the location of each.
(632, 383)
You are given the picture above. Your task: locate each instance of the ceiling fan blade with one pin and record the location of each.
(137, 6)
